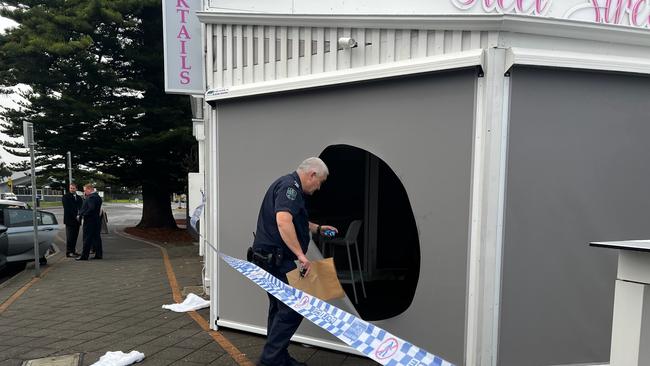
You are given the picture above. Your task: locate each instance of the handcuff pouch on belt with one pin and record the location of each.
(265, 258)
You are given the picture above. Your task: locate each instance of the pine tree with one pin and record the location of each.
(95, 69)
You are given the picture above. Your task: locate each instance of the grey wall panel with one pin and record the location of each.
(578, 171)
(422, 127)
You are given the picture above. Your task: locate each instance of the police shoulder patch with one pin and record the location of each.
(292, 193)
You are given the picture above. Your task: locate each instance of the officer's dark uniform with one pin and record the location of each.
(272, 254)
(71, 205)
(90, 212)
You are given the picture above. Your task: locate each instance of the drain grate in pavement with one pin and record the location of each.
(66, 360)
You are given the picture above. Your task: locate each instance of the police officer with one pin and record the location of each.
(71, 205)
(90, 213)
(282, 237)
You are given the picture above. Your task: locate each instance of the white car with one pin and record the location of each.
(12, 204)
(8, 196)
(18, 222)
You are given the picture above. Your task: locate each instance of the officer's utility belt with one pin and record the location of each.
(265, 256)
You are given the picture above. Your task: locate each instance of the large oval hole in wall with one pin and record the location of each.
(363, 187)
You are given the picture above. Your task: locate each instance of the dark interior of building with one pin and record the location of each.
(363, 187)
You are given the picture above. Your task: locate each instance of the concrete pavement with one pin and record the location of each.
(114, 304)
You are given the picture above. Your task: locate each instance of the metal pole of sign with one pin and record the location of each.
(28, 135)
(69, 168)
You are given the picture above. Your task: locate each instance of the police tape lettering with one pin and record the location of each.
(366, 338)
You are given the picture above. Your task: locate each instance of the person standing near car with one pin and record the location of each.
(282, 237)
(90, 213)
(71, 205)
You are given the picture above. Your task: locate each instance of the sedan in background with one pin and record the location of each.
(12, 204)
(4, 242)
(8, 196)
(20, 235)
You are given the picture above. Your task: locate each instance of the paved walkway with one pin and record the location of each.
(114, 304)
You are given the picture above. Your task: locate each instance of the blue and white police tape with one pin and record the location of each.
(366, 338)
(196, 215)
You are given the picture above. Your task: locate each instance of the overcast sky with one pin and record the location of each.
(6, 101)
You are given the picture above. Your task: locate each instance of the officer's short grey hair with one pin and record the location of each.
(314, 164)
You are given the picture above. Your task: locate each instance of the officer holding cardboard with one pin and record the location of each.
(282, 237)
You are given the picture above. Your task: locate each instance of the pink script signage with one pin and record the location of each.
(183, 57)
(635, 13)
(529, 7)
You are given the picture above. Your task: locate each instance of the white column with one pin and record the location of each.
(212, 215)
(631, 323)
(488, 189)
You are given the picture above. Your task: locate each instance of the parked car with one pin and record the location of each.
(8, 196)
(12, 204)
(4, 242)
(20, 235)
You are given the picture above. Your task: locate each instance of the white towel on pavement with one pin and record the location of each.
(119, 358)
(192, 302)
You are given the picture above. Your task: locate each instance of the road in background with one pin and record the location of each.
(119, 215)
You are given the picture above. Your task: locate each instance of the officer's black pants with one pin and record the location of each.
(282, 324)
(71, 235)
(92, 240)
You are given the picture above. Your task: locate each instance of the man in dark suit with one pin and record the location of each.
(90, 214)
(71, 205)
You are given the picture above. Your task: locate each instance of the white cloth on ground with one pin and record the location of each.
(192, 302)
(119, 358)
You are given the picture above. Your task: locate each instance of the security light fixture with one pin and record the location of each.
(347, 42)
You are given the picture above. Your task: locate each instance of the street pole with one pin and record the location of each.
(28, 135)
(69, 170)
(37, 264)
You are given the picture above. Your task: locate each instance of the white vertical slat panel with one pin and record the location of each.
(319, 56)
(465, 40)
(344, 55)
(375, 48)
(318, 60)
(248, 71)
(259, 68)
(359, 53)
(439, 42)
(492, 39)
(209, 56)
(270, 74)
(305, 61)
(238, 65)
(227, 73)
(281, 64)
(217, 47)
(403, 45)
(330, 63)
(456, 41)
(475, 40)
(229, 52)
(390, 46)
(295, 52)
(423, 43)
(414, 43)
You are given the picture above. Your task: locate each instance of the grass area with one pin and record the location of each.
(50, 204)
(123, 201)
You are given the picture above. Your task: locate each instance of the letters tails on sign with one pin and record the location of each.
(183, 36)
(183, 56)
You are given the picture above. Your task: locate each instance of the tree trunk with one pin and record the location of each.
(157, 208)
